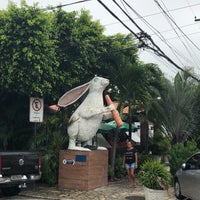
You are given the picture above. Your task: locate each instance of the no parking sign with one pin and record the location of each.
(36, 109)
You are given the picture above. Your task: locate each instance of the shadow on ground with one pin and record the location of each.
(134, 198)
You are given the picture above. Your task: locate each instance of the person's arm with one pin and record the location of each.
(123, 162)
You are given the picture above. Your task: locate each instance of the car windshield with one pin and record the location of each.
(193, 162)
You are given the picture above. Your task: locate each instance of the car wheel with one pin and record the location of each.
(177, 189)
(11, 191)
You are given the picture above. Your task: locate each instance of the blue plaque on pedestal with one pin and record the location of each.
(80, 158)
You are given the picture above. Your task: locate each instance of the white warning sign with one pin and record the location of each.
(36, 109)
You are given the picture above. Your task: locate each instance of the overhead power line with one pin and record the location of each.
(63, 5)
(155, 31)
(176, 24)
(156, 49)
(157, 13)
(183, 38)
(171, 22)
(160, 36)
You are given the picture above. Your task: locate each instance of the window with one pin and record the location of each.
(194, 162)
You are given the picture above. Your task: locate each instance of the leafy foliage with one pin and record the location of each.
(78, 40)
(179, 153)
(196, 117)
(43, 55)
(177, 102)
(119, 171)
(159, 144)
(51, 138)
(15, 130)
(27, 58)
(110, 172)
(154, 175)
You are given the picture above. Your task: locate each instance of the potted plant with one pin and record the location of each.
(155, 178)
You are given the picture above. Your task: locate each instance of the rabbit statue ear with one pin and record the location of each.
(73, 95)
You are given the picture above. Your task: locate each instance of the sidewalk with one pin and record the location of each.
(116, 190)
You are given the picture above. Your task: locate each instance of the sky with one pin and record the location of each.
(170, 23)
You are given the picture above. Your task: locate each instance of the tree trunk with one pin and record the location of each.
(114, 148)
(130, 120)
(144, 135)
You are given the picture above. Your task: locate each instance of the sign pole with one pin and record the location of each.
(35, 135)
(36, 114)
(35, 145)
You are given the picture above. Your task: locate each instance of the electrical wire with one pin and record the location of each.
(157, 13)
(190, 8)
(156, 49)
(63, 5)
(154, 30)
(172, 38)
(176, 53)
(170, 19)
(158, 33)
(164, 62)
(180, 37)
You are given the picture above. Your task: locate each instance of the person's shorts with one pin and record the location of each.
(129, 166)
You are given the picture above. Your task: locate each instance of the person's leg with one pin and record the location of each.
(129, 178)
(132, 175)
(129, 175)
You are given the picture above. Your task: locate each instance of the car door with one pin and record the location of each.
(191, 178)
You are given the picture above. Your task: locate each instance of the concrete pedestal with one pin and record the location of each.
(83, 170)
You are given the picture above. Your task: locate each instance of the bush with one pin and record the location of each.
(179, 153)
(142, 158)
(119, 171)
(160, 144)
(51, 138)
(50, 168)
(154, 175)
(110, 172)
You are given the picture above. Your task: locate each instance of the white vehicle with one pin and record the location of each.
(187, 179)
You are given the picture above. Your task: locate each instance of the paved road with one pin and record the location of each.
(117, 190)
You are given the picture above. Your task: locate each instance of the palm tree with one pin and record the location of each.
(196, 116)
(177, 103)
(133, 82)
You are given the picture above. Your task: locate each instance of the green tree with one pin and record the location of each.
(27, 61)
(42, 54)
(28, 67)
(15, 129)
(47, 53)
(177, 103)
(196, 117)
(133, 81)
(78, 41)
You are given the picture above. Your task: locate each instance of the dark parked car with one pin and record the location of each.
(18, 168)
(187, 179)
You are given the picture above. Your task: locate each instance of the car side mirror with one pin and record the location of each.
(183, 166)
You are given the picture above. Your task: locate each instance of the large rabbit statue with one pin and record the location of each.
(85, 121)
